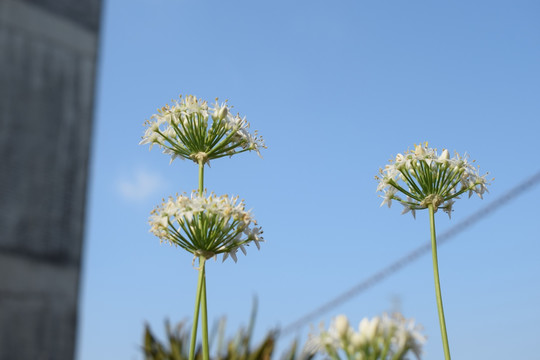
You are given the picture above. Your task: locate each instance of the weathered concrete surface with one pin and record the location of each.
(47, 70)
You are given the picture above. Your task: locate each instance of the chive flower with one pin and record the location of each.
(206, 226)
(381, 338)
(184, 130)
(424, 177)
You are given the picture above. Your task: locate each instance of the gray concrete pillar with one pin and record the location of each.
(47, 69)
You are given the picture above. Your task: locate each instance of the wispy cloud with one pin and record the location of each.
(140, 185)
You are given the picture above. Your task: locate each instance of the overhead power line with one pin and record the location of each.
(413, 255)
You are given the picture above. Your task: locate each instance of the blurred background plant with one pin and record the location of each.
(176, 346)
(386, 337)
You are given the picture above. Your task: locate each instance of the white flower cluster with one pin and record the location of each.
(206, 226)
(429, 179)
(381, 338)
(182, 130)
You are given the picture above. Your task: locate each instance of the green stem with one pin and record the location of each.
(201, 293)
(204, 316)
(202, 260)
(437, 283)
(201, 177)
(200, 284)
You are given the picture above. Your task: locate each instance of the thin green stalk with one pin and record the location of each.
(200, 284)
(204, 316)
(201, 293)
(412, 184)
(437, 283)
(202, 260)
(201, 177)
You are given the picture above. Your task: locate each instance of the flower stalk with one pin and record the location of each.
(200, 299)
(204, 316)
(200, 286)
(202, 271)
(438, 294)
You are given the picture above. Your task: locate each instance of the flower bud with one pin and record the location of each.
(357, 340)
(223, 112)
(444, 156)
(220, 112)
(363, 326)
(342, 325)
(419, 150)
(372, 328)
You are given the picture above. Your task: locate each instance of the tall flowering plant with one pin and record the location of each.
(204, 225)
(423, 179)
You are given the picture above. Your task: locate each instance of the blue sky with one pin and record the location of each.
(336, 89)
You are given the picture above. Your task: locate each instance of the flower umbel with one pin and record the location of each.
(381, 338)
(426, 178)
(183, 130)
(206, 226)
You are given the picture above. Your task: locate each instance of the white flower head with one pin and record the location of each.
(429, 179)
(393, 336)
(183, 130)
(206, 226)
